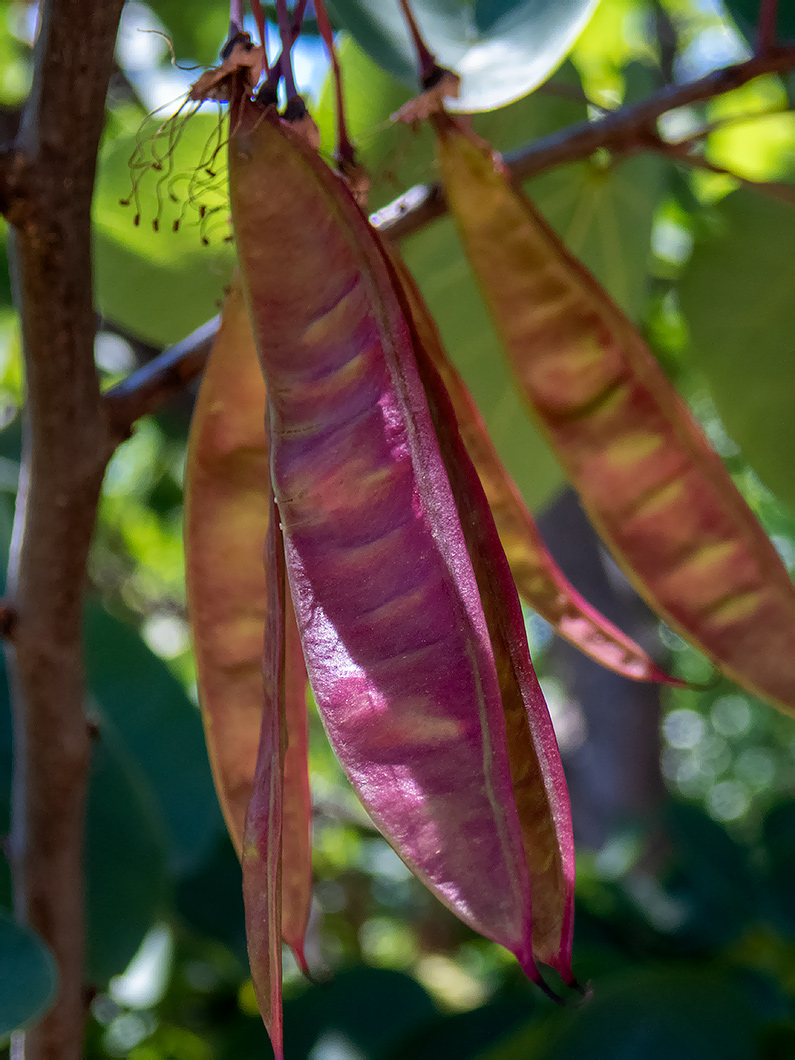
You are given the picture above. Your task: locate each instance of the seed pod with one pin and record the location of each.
(262, 843)
(387, 603)
(659, 496)
(539, 786)
(540, 581)
(297, 808)
(226, 520)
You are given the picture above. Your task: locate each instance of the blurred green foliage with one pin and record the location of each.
(689, 951)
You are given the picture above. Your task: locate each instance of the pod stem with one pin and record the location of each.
(259, 18)
(346, 153)
(766, 26)
(269, 89)
(287, 38)
(430, 71)
(235, 17)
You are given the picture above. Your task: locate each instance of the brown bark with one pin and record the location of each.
(48, 190)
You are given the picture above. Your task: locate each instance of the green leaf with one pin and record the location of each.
(28, 976)
(753, 131)
(656, 1013)
(197, 30)
(162, 731)
(737, 298)
(160, 285)
(465, 1035)
(125, 859)
(369, 1009)
(502, 49)
(211, 899)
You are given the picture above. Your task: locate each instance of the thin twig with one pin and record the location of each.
(625, 130)
(165, 376)
(66, 448)
(680, 152)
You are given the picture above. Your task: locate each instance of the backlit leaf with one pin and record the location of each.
(502, 49)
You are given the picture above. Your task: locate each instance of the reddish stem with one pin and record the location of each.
(276, 70)
(429, 68)
(766, 26)
(259, 18)
(286, 36)
(235, 17)
(298, 17)
(345, 150)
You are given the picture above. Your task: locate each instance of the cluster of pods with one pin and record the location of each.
(333, 436)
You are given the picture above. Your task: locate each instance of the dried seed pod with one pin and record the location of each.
(658, 494)
(226, 521)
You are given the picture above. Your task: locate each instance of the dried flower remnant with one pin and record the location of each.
(240, 58)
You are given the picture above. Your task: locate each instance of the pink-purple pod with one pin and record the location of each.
(539, 785)
(262, 837)
(395, 638)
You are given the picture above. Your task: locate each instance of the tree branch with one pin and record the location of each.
(66, 448)
(681, 152)
(628, 129)
(166, 375)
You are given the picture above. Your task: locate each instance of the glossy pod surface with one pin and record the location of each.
(658, 494)
(539, 785)
(386, 600)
